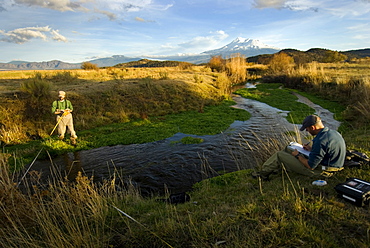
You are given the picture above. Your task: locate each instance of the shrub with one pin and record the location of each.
(217, 63)
(37, 89)
(65, 77)
(281, 63)
(184, 65)
(333, 56)
(89, 66)
(163, 75)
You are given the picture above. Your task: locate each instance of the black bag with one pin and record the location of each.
(355, 159)
(354, 190)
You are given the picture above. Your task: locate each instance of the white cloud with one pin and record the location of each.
(60, 5)
(139, 19)
(57, 36)
(261, 4)
(295, 5)
(109, 8)
(361, 31)
(205, 41)
(109, 14)
(125, 5)
(83, 5)
(23, 35)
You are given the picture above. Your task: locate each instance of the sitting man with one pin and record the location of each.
(328, 152)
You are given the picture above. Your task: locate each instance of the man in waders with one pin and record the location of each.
(327, 153)
(63, 108)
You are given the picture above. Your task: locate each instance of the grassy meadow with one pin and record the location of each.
(112, 106)
(231, 210)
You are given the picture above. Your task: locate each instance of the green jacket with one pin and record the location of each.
(66, 104)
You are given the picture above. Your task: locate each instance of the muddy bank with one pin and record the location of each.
(169, 165)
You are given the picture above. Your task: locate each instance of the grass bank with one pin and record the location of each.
(214, 119)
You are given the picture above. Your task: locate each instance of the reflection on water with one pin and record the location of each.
(167, 165)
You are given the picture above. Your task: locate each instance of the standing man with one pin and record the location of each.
(327, 153)
(63, 108)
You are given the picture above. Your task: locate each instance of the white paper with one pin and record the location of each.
(299, 148)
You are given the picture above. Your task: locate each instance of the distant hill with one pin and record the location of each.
(18, 62)
(313, 54)
(113, 60)
(152, 63)
(49, 65)
(190, 58)
(361, 53)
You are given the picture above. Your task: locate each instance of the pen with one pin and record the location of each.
(307, 144)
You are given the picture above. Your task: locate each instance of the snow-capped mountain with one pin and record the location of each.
(248, 47)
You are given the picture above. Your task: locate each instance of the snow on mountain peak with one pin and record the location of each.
(243, 45)
(249, 43)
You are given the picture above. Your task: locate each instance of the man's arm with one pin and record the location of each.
(54, 109)
(301, 159)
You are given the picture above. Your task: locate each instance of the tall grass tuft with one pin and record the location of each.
(63, 214)
(235, 67)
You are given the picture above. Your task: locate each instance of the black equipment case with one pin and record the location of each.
(354, 190)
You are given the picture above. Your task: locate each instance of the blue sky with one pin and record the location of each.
(80, 30)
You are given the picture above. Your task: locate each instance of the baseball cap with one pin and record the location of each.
(309, 121)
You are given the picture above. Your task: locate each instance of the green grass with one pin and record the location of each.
(188, 140)
(213, 120)
(278, 97)
(236, 210)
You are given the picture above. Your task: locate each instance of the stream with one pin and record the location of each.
(170, 166)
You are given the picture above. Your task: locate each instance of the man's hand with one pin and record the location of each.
(307, 147)
(295, 152)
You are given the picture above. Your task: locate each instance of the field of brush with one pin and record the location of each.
(231, 210)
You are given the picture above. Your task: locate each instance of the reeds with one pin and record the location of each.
(61, 214)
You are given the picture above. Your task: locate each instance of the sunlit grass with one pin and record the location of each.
(278, 97)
